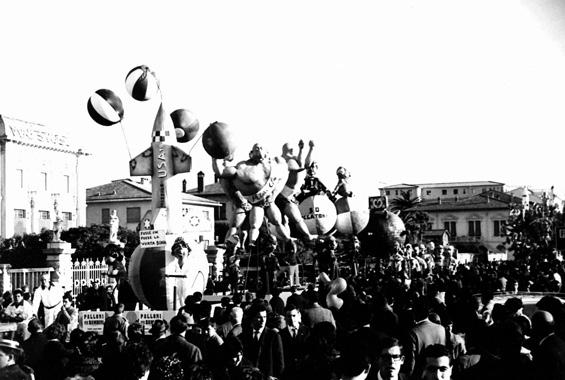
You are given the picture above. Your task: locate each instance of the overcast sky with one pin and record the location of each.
(396, 91)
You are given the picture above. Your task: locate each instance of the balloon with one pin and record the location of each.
(319, 214)
(218, 141)
(186, 125)
(351, 217)
(324, 278)
(105, 107)
(141, 83)
(337, 286)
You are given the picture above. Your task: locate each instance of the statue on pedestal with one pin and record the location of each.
(114, 227)
(57, 223)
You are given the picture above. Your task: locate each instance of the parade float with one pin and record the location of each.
(168, 265)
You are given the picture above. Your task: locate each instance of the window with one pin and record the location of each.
(444, 192)
(206, 215)
(455, 191)
(475, 228)
(428, 192)
(220, 212)
(43, 180)
(67, 183)
(45, 215)
(464, 191)
(68, 216)
(451, 228)
(133, 214)
(19, 213)
(499, 228)
(105, 216)
(387, 192)
(395, 192)
(20, 178)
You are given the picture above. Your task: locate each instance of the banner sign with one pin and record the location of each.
(147, 317)
(92, 320)
(152, 238)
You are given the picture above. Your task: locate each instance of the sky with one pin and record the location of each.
(395, 91)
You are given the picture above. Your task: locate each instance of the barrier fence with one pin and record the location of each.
(85, 271)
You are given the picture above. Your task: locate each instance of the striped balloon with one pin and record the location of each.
(186, 125)
(352, 215)
(319, 214)
(105, 107)
(141, 83)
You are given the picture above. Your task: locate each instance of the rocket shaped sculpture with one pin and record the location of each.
(158, 278)
(162, 161)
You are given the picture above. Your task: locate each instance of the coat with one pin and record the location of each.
(266, 354)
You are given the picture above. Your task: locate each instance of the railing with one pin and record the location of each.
(27, 276)
(85, 271)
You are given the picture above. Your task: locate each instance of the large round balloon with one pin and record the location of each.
(105, 107)
(218, 141)
(319, 214)
(384, 229)
(186, 125)
(159, 282)
(141, 83)
(352, 217)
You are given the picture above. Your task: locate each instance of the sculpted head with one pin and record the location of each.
(257, 152)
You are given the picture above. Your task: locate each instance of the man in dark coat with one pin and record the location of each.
(293, 338)
(177, 343)
(549, 353)
(34, 345)
(262, 346)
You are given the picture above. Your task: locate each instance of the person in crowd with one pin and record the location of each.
(19, 311)
(315, 313)
(270, 265)
(549, 351)
(222, 312)
(437, 364)
(262, 346)
(68, 315)
(10, 353)
(55, 356)
(47, 298)
(96, 297)
(389, 360)
(232, 327)
(34, 345)
(137, 361)
(293, 337)
(116, 322)
(425, 333)
(176, 345)
(136, 333)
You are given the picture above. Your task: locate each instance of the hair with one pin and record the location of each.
(178, 324)
(197, 296)
(136, 331)
(119, 308)
(159, 326)
(354, 363)
(436, 351)
(232, 345)
(90, 344)
(389, 342)
(257, 308)
(34, 326)
(513, 304)
(17, 291)
(200, 371)
(67, 296)
(236, 313)
(75, 337)
(178, 245)
(138, 359)
(55, 331)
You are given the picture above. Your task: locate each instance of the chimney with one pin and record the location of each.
(184, 182)
(200, 182)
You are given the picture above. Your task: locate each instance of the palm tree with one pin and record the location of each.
(415, 221)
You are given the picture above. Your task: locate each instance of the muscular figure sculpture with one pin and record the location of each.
(286, 200)
(256, 183)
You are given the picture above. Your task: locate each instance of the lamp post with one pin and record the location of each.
(32, 194)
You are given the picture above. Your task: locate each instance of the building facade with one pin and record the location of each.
(445, 190)
(475, 224)
(39, 178)
(132, 201)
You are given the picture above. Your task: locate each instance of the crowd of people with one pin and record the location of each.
(419, 314)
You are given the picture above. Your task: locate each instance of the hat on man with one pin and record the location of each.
(10, 344)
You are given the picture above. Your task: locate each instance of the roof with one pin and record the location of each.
(489, 200)
(213, 188)
(443, 184)
(130, 190)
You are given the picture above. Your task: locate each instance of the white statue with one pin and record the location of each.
(114, 226)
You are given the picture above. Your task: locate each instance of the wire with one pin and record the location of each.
(125, 139)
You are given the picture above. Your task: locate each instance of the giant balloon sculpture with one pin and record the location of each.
(352, 215)
(159, 278)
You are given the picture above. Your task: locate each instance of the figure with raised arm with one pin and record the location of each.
(286, 200)
(256, 182)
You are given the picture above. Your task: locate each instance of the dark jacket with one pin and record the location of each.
(294, 348)
(266, 354)
(549, 358)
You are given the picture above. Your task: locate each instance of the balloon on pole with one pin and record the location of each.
(142, 83)
(105, 107)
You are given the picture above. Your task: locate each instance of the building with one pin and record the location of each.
(39, 177)
(445, 190)
(538, 196)
(475, 223)
(132, 201)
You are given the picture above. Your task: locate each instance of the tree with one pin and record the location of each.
(414, 220)
(530, 231)
(25, 251)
